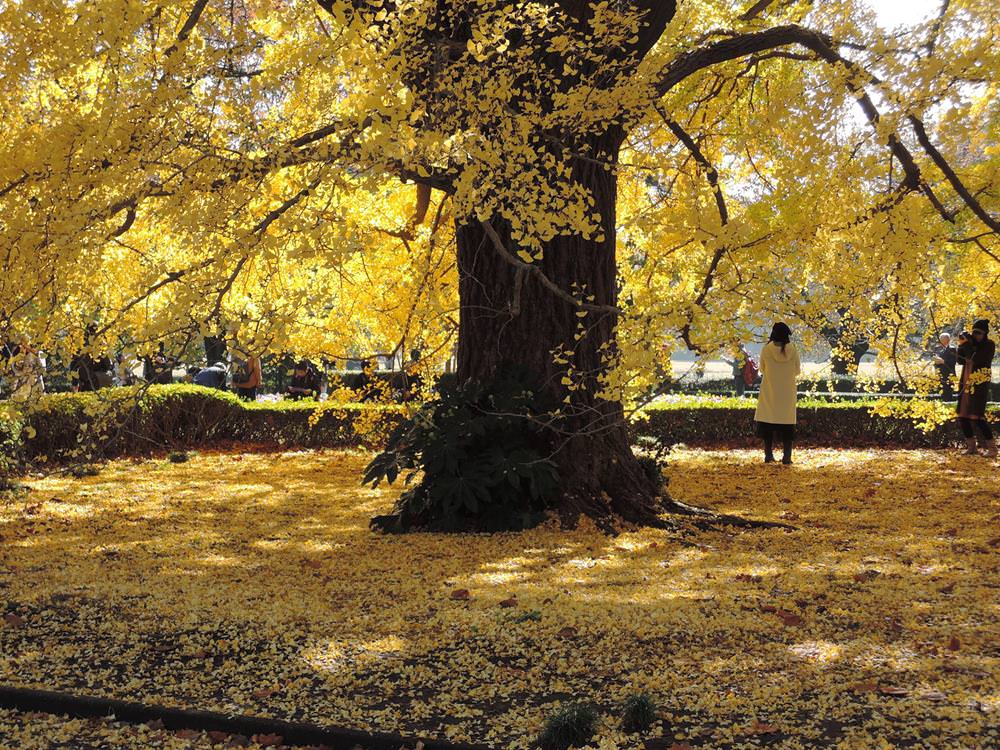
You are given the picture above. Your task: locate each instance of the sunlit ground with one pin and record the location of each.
(251, 584)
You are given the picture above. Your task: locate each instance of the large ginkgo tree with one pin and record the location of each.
(562, 187)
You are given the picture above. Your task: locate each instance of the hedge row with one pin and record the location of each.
(145, 420)
(135, 422)
(820, 423)
(846, 384)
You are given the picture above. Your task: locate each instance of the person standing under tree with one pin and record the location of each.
(945, 358)
(776, 415)
(246, 376)
(744, 368)
(976, 353)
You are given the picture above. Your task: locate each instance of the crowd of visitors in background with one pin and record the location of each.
(780, 365)
(23, 369)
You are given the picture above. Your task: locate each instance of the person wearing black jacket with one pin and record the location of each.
(976, 352)
(304, 382)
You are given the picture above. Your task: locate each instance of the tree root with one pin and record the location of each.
(703, 518)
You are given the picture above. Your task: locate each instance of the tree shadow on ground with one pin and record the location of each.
(252, 584)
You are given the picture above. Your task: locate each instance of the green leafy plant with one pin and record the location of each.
(84, 470)
(479, 448)
(9, 486)
(572, 725)
(532, 615)
(178, 457)
(638, 713)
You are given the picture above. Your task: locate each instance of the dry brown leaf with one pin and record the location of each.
(14, 620)
(268, 740)
(893, 690)
(867, 575)
(759, 727)
(789, 619)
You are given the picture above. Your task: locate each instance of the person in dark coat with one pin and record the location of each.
(976, 352)
(158, 368)
(89, 373)
(304, 382)
(945, 361)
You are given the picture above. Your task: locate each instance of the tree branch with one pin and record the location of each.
(540, 275)
(950, 174)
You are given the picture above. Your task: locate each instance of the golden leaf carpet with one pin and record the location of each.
(251, 584)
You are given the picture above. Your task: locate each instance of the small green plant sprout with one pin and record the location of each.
(532, 615)
(572, 725)
(638, 713)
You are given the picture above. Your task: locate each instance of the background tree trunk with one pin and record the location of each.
(507, 321)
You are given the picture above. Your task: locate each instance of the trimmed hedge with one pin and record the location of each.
(821, 423)
(142, 421)
(846, 384)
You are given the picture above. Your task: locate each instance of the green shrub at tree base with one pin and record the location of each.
(638, 713)
(477, 449)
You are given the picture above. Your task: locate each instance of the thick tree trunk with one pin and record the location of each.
(509, 317)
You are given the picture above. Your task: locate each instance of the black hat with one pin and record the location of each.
(981, 325)
(781, 333)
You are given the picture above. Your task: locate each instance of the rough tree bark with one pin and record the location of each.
(513, 313)
(508, 316)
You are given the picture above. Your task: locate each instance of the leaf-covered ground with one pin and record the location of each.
(251, 584)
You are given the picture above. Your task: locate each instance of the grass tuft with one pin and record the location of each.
(572, 725)
(638, 713)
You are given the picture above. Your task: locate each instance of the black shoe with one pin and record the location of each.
(769, 459)
(786, 461)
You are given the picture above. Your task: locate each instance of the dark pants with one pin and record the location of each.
(947, 389)
(786, 433)
(984, 428)
(739, 384)
(247, 394)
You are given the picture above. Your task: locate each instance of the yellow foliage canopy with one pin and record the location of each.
(174, 170)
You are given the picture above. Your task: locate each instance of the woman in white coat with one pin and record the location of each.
(776, 417)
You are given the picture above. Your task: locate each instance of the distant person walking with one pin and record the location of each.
(945, 359)
(90, 374)
(776, 415)
(28, 369)
(976, 352)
